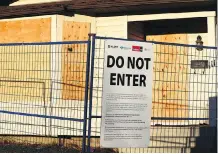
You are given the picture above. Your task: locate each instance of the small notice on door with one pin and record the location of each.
(127, 94)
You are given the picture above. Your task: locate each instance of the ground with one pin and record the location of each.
(23, 145)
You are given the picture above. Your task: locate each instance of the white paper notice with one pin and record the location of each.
(127, 94)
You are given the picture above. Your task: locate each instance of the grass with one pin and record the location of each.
(98, 150)
(29, 148)
(9, 145)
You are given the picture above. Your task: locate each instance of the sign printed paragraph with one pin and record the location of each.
(127, 94)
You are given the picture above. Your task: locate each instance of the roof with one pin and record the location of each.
(6, 2)
(106, 7)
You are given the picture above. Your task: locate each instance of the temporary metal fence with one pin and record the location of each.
(43, 96)
(184, 97)
(50, 93)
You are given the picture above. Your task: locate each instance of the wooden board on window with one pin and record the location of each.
(22, 63)
(170, 86)
(74, 60)
(28, 30)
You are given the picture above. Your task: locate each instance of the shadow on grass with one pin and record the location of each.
(30, 148)
(98, 150)
(10, 146)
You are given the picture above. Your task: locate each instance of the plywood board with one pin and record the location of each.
(74, 60)
(170, 87)
(29, 30)
(19, 64)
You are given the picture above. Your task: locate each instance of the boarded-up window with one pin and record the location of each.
(74, 60)
(170, 88)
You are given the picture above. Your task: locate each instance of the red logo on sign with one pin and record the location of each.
(137, 48)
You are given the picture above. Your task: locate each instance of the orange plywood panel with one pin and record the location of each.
(28, 30)
(74, 60)
(22, 63)
(170, 97)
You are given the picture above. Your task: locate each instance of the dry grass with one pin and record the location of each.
(22, 148)
(98, 150)
(14, 144)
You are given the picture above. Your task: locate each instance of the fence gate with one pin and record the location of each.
(43, 96)
(184, 98)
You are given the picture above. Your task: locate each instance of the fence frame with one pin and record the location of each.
(89, 77)
(84, 119)
(94, 38)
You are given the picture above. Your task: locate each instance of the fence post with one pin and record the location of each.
(91, 90)
(86, 95)
(216, 34)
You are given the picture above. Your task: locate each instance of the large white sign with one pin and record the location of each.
(127, 94)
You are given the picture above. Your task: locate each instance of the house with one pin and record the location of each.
(174, 21)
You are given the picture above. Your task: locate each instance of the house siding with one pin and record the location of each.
(112, 26)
